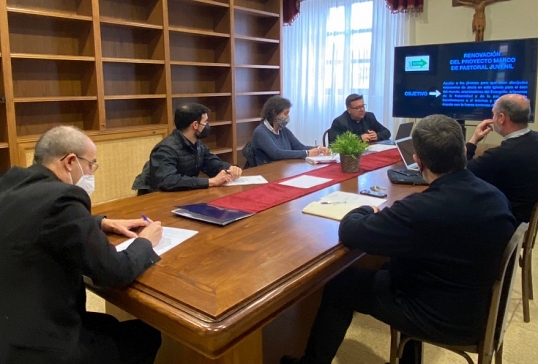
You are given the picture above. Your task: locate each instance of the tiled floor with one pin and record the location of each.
(368, 340)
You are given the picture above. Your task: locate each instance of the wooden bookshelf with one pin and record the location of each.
(119, 68)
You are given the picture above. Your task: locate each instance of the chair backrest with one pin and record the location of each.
(502, 289)
(325, 138)
(248, 153)
(530, 235)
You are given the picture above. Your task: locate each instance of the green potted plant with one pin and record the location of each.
(350, 147)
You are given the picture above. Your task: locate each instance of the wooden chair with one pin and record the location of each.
(525, 261)
(325, 138)
(491, 343)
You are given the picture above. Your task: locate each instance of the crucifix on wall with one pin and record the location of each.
(479, 17)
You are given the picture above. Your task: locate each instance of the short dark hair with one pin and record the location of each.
(518, 112)
(274, 106)
(439, 143)
(352, 98)
(187, 113)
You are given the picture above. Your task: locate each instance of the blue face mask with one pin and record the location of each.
(282, 122)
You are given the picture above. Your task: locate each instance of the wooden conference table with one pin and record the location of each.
(213, 294)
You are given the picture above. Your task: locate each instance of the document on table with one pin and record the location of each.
(379, 148)
(337, 204)
(171, 238)
(305, 181)
(247, 180)
(323, 159)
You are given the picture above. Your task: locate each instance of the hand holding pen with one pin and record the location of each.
(153, 231)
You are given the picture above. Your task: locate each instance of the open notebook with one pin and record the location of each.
(337, 204)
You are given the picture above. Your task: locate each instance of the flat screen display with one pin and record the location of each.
(462, 80)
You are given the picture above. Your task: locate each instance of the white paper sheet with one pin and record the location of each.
(247, 180)
(379, 148)
(171, 237)
(305, 181)
(323, 159)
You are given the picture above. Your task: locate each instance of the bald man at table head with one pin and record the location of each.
(175, 162)
(442, 266)
(512, 167)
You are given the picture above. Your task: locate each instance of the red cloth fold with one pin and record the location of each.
(272, 194)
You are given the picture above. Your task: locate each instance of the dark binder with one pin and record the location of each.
(211, 214)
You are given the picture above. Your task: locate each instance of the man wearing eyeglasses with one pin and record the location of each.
(176, 161)
(48, 241)
(357, 120)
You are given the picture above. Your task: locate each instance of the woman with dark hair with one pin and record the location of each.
(272, 141)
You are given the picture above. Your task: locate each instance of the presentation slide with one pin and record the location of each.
(462, 80)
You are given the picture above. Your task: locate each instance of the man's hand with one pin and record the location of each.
(375, 208)
(235, 172)
(122, 227)
(482, 129)
(372, 136)
(220, 179)
(153, 232)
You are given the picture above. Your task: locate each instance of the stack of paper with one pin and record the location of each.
(322, 159)
(337, 204)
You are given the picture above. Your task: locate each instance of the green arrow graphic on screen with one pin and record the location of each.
(419, 63)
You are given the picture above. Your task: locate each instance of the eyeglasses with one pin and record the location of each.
(93, 165)
(360, 107)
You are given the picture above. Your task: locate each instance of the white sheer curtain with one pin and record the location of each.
(335, 48)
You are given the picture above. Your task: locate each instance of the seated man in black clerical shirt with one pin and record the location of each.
(357, 120)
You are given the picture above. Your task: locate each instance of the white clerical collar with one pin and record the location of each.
(270, 127)
(517, 133)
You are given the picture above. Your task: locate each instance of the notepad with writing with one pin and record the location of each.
(211, 214)
(337, 204)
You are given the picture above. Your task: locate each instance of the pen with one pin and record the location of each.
(144, 217)
(332, 203)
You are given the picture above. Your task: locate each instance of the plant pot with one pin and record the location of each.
(350, 163)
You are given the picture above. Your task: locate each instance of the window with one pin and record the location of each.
(348, 48)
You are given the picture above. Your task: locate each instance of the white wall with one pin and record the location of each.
(442, 23)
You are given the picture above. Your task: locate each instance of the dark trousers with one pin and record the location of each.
(103, 340)
(364, 291)
(106, 340)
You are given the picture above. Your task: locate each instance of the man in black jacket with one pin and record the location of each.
(48, 241)
(442, 267)
(357, 120)
(512, 167)
(176, 161)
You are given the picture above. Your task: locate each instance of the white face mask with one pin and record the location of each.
(86, 182)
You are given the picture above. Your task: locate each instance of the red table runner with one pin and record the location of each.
(272, 194)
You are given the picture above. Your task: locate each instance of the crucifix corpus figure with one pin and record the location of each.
(479, 17)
